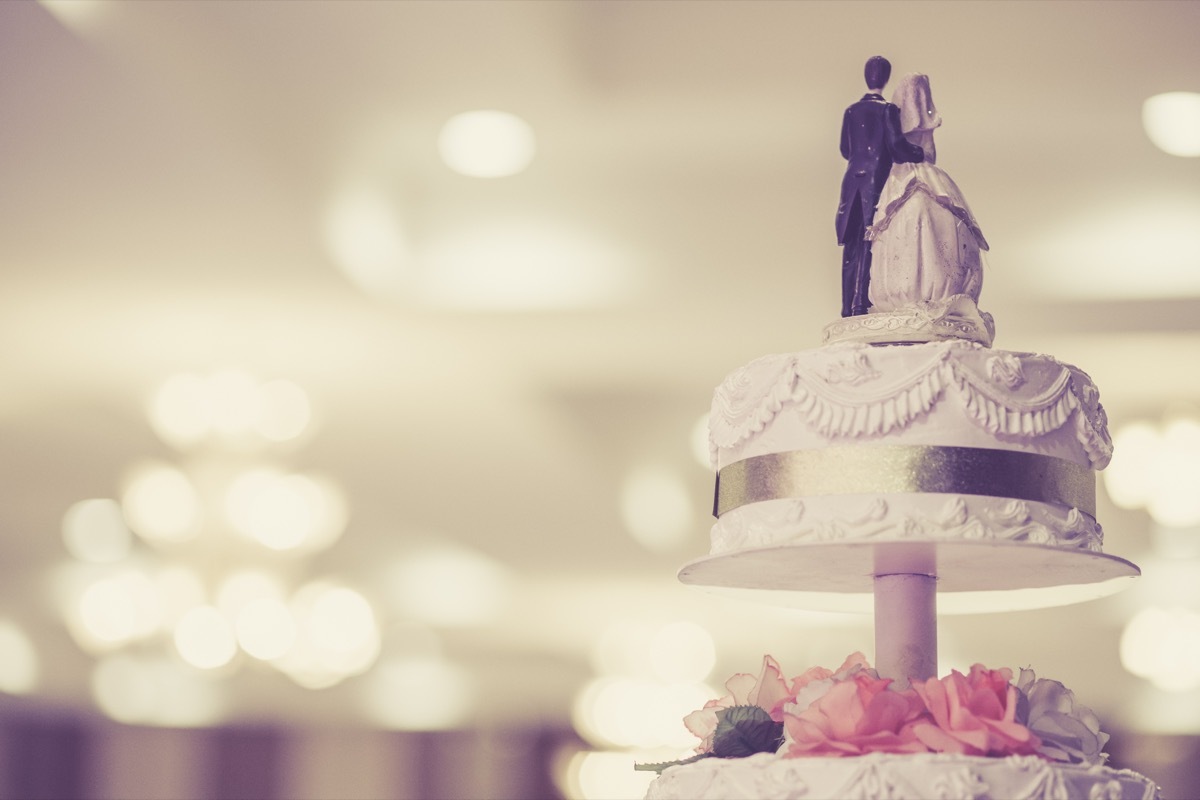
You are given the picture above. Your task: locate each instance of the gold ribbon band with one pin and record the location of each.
(893, 469)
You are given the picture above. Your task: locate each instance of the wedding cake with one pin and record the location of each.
(907, 464)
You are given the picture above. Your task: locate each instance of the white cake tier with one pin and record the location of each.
(881, 776)
(936, 441)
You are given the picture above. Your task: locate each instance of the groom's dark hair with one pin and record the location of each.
(877, 72)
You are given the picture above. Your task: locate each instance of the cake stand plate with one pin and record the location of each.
(973, 576)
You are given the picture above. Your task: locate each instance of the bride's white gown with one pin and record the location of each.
(925, 242)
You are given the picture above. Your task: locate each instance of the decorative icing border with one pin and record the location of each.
(884, 518)
(878, 776)
(831, 398)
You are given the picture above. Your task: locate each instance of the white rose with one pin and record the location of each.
(1069, 730)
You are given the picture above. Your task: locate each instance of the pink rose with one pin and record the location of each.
(856, 716)
(769, 692)
(973, 714)
(816, 681)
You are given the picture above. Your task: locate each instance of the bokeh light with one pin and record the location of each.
(95, 531)
(116, 609)
(519, 265)
(656, 508)
(449, 586)
(205, 639)
(1158, 468)
(265, 628)
(286, 411)
(337, 635)
(230, 406)
(422, 693)
(365, 239)
(1172, 121)
(633, 712)
(682, 652)
(486, 144)
(286, 512)
(599, 775)
(19, 666)
(241, 588)
(161, 505)
(1163, 646)
(155, 691)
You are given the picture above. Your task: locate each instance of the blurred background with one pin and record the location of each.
(356, 360)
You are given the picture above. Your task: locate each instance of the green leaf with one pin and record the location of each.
(745, 730)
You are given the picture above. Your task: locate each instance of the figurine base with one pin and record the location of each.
(956, 317)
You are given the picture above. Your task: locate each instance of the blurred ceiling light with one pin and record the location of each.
(683, 652)
(18, 660)
(419, 694)
(1158, 468)
(700, 442)
(656, 508)
(160, 504)
(364, 238)
(285, 512)
(1163, 646)
(1172, 121)
(449, 586)
(486, 144)
(205, 639)
(82, 15)
(522, 267)
(95, 531)
(1090, 257)
(154, 691)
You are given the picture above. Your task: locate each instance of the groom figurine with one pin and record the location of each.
(871, 142)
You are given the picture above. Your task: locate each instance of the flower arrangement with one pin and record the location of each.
(852, 711)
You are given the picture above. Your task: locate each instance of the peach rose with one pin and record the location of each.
(856, 716)
(769, 692)
(973, 714)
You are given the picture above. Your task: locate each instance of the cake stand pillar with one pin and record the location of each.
(906, 627)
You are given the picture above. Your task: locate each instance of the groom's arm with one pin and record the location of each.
(903, 151)
(846, 135)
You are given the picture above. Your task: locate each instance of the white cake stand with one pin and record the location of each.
(901, 582)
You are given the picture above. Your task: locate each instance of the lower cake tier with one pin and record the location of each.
(876, 776)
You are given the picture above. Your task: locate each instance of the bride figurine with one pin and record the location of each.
(926, 245)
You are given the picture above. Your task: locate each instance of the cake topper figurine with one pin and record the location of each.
(871, 142)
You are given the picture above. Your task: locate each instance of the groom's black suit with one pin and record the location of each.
(871, 142)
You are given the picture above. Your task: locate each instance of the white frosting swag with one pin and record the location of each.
(842, 394)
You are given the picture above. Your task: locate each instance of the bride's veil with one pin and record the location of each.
(917, 111)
